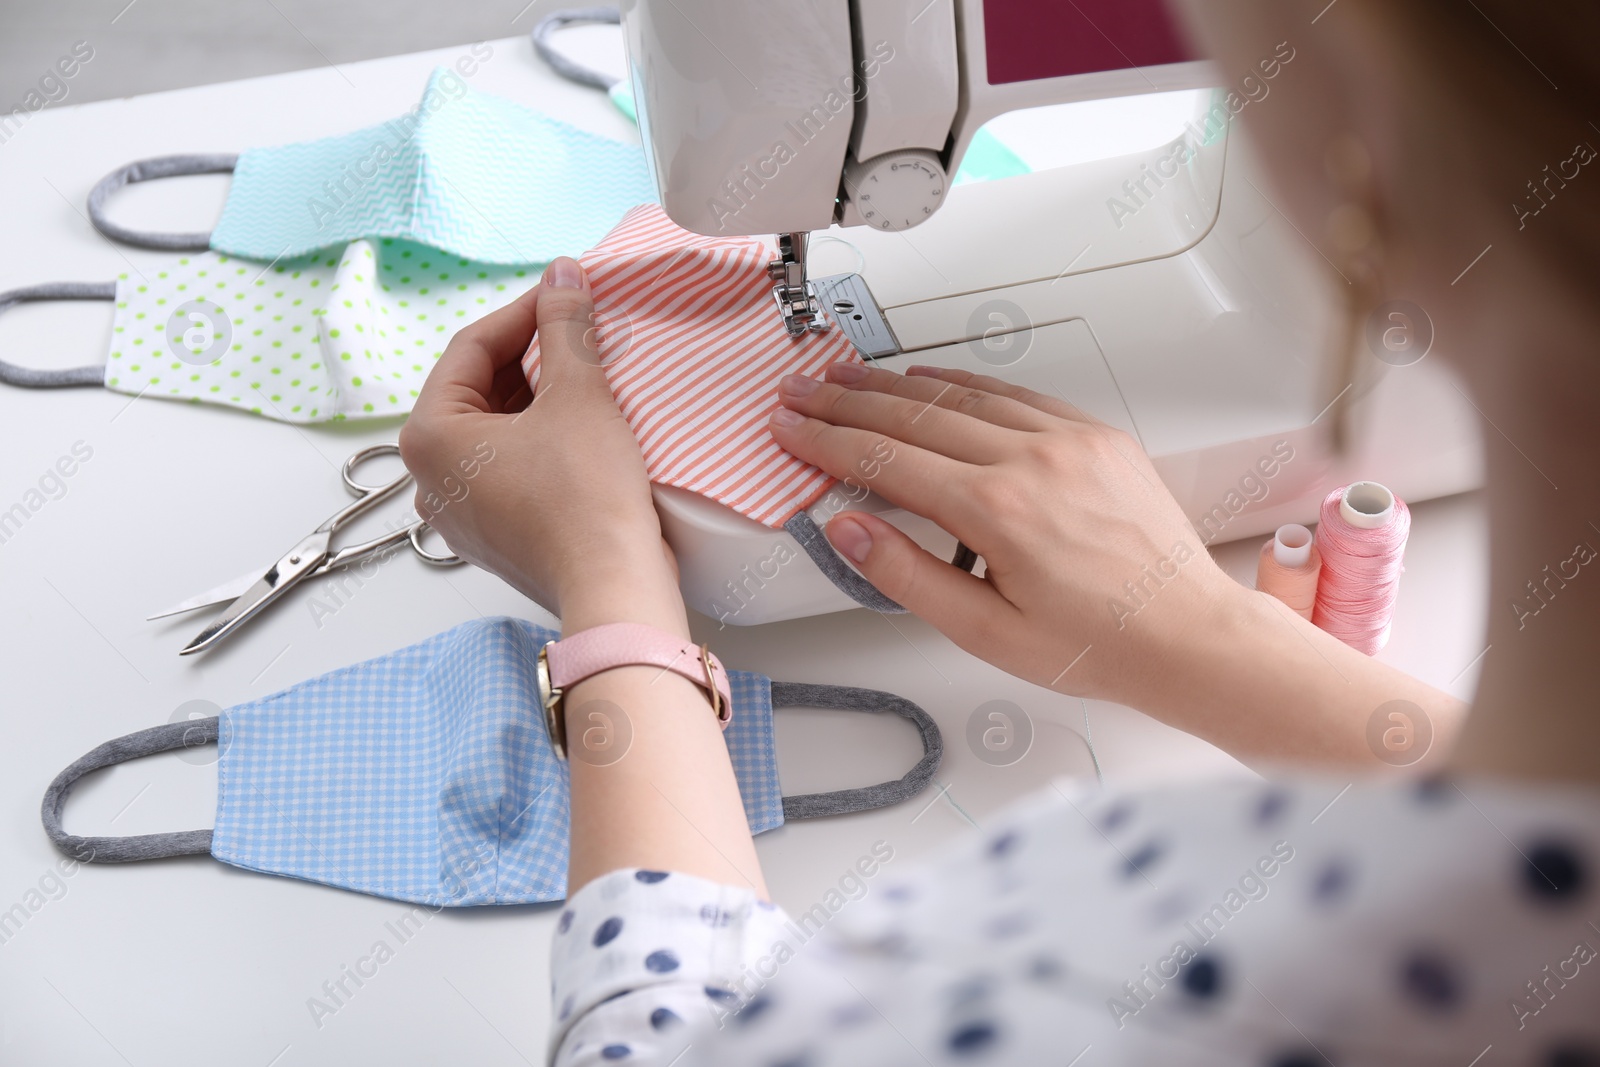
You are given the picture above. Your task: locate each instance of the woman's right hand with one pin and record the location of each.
(1095, 583)
(563, 512)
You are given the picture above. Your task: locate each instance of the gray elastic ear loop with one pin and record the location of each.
(811, 538)
(561, 64)
(195, 732)
(805, 530)
(849, 698)
(145, 170)
(12, 374)
(165, 738)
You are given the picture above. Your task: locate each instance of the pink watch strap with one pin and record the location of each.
(622, 644)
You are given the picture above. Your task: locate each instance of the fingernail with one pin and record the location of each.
(563, 273)
(798, 385)
(785, 417)
(924, 372)
(851, 538)
(846, 372)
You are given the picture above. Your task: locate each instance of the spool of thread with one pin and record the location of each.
(1289, 568)
(1362, 537)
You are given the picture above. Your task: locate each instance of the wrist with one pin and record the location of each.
(1261, 683)
(1209, 651)
(643, 593)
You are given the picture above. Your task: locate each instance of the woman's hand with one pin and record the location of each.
(1093, 574)
(1095, 584)
(547, 491)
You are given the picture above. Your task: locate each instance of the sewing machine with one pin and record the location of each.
(1160, 291)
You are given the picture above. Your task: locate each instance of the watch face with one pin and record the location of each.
(558, 743)
(550, 700)
(547, 693)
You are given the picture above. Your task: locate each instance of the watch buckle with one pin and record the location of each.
(719, 707)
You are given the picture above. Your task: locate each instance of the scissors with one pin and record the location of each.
(313, 557)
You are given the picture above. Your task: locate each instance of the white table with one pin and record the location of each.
(191, 961)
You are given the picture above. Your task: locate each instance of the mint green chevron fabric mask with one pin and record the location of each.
(342, 267)
(466, 172)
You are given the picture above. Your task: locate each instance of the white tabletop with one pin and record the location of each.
(191, 961)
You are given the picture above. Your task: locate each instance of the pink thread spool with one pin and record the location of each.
(1362, 536)
(1289, 568)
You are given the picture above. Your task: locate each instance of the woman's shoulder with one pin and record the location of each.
(1362, 921)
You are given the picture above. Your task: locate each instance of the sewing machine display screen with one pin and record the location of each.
(1026, 40)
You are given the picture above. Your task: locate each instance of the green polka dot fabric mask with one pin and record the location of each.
(337, 334)
(363, 254)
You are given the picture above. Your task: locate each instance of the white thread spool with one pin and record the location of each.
(1366, 505)
(1291, 545)
(1289, 567)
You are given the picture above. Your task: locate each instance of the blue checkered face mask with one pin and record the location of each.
(427, 776)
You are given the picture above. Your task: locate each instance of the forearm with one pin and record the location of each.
(669, 801)
(1265, 685)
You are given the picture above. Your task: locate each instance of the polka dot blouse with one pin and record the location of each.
(1320, 923)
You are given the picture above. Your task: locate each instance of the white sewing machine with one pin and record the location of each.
(1160, 291)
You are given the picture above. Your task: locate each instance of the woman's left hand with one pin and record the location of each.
(1067, 513)
(548, 491)
(1094, 583)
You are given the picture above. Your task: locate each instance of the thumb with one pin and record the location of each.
(957, 603)
(567, 336)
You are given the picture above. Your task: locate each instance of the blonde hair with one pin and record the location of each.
(1508, 88)
(1492, 97)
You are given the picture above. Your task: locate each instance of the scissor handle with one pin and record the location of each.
(367, 496)
(344, 557)
(420, 527)
(415, 531)
(357, 458)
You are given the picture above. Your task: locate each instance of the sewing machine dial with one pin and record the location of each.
(896, 190)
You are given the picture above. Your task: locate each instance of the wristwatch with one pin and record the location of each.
(565, 663)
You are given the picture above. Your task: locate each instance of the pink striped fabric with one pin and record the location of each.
(693, 346)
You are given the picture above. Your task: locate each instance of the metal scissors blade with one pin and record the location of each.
(235, 587)
(283, 575)
(313, 556)
(231, 589)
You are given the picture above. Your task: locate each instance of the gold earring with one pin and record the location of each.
(1354, 228)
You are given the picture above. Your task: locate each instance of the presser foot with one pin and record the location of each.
(796, 297)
